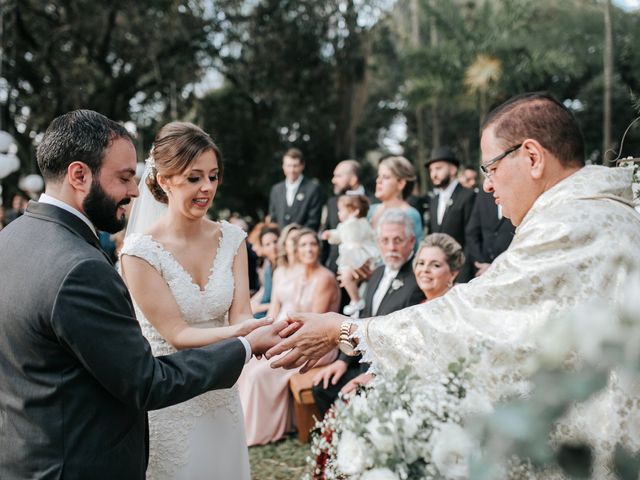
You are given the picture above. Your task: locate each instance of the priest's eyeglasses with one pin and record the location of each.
(485, 167)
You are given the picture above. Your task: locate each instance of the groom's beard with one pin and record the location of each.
(102, 210)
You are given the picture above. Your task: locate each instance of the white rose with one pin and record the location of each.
(401, 417)
(475, 403)
(555, 341)
(452, 447)
(633, 428)
(630, 299)
(382, 441)
(351, 456)
(592, 327)
(358, 404)
(379, 474)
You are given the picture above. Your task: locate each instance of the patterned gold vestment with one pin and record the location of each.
(578, 243)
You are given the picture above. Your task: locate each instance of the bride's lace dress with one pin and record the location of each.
(202, 438)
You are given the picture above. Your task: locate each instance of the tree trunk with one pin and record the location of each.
(352, 86)
(608, 81)
(421, 151)
(435, 118)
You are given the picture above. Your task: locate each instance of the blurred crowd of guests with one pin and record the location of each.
(361, 253)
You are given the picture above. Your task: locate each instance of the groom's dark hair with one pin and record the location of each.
(80, 135)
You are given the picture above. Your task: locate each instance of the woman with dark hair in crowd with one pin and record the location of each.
(268, 248)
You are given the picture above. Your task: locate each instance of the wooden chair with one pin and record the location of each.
(303, 403)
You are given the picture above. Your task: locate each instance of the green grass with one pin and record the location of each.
(283, 460)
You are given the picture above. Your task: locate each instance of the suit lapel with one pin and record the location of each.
(389, 295)
(68, 220)
(302, 190)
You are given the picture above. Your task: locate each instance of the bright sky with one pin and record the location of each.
(628, 4)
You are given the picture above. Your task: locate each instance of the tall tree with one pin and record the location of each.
(305, 72)
(119, 58)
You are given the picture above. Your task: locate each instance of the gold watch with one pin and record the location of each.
(346, 344)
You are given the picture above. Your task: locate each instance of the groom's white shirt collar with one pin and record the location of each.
(44, 198)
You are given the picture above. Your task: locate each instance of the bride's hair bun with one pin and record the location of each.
(176, 146)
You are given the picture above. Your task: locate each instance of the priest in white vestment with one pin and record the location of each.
(577, 240)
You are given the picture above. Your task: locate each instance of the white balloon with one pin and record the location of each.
(31, 183)
(9, 163)
(5, 141)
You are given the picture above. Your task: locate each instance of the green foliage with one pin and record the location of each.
(123, 59)
(297, 74)
(545, 45)
(326, 76)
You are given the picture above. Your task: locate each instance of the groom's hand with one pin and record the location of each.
(263, 338)
(309, 337)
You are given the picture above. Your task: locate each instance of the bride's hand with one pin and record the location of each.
(244, 328)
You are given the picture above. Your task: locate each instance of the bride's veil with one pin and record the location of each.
(146, 210)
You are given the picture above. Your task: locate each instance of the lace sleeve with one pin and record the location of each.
(142, 246)
(233, 235)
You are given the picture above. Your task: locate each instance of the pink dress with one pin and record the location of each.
(264, 391)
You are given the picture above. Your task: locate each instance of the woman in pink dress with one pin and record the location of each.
(304, 286)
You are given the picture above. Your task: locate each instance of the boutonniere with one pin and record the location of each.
(449, 203)
(396, 284)
(300, 197)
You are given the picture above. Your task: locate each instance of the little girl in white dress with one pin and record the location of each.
(357, 245)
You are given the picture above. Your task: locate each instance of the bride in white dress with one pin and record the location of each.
(189, 282)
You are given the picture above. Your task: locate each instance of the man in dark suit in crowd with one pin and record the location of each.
(392, 286)
(296, 199)
(468, 178)
(488, 233)
(450, 208)
(76, 375)
(346, 181)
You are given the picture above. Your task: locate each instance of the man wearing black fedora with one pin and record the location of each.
(450, 207)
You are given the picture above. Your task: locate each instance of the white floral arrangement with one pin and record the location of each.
(402, 428)
(582, 416)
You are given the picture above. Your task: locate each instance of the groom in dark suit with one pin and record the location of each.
(391, 287)
(76, 375)
(296, 199)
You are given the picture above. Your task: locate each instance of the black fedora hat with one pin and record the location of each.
(442, 154)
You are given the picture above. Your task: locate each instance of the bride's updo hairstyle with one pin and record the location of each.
(176, 146)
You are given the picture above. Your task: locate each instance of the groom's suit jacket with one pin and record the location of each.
(76, 375)
(306, 208)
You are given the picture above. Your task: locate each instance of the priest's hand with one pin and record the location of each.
(309, 336)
